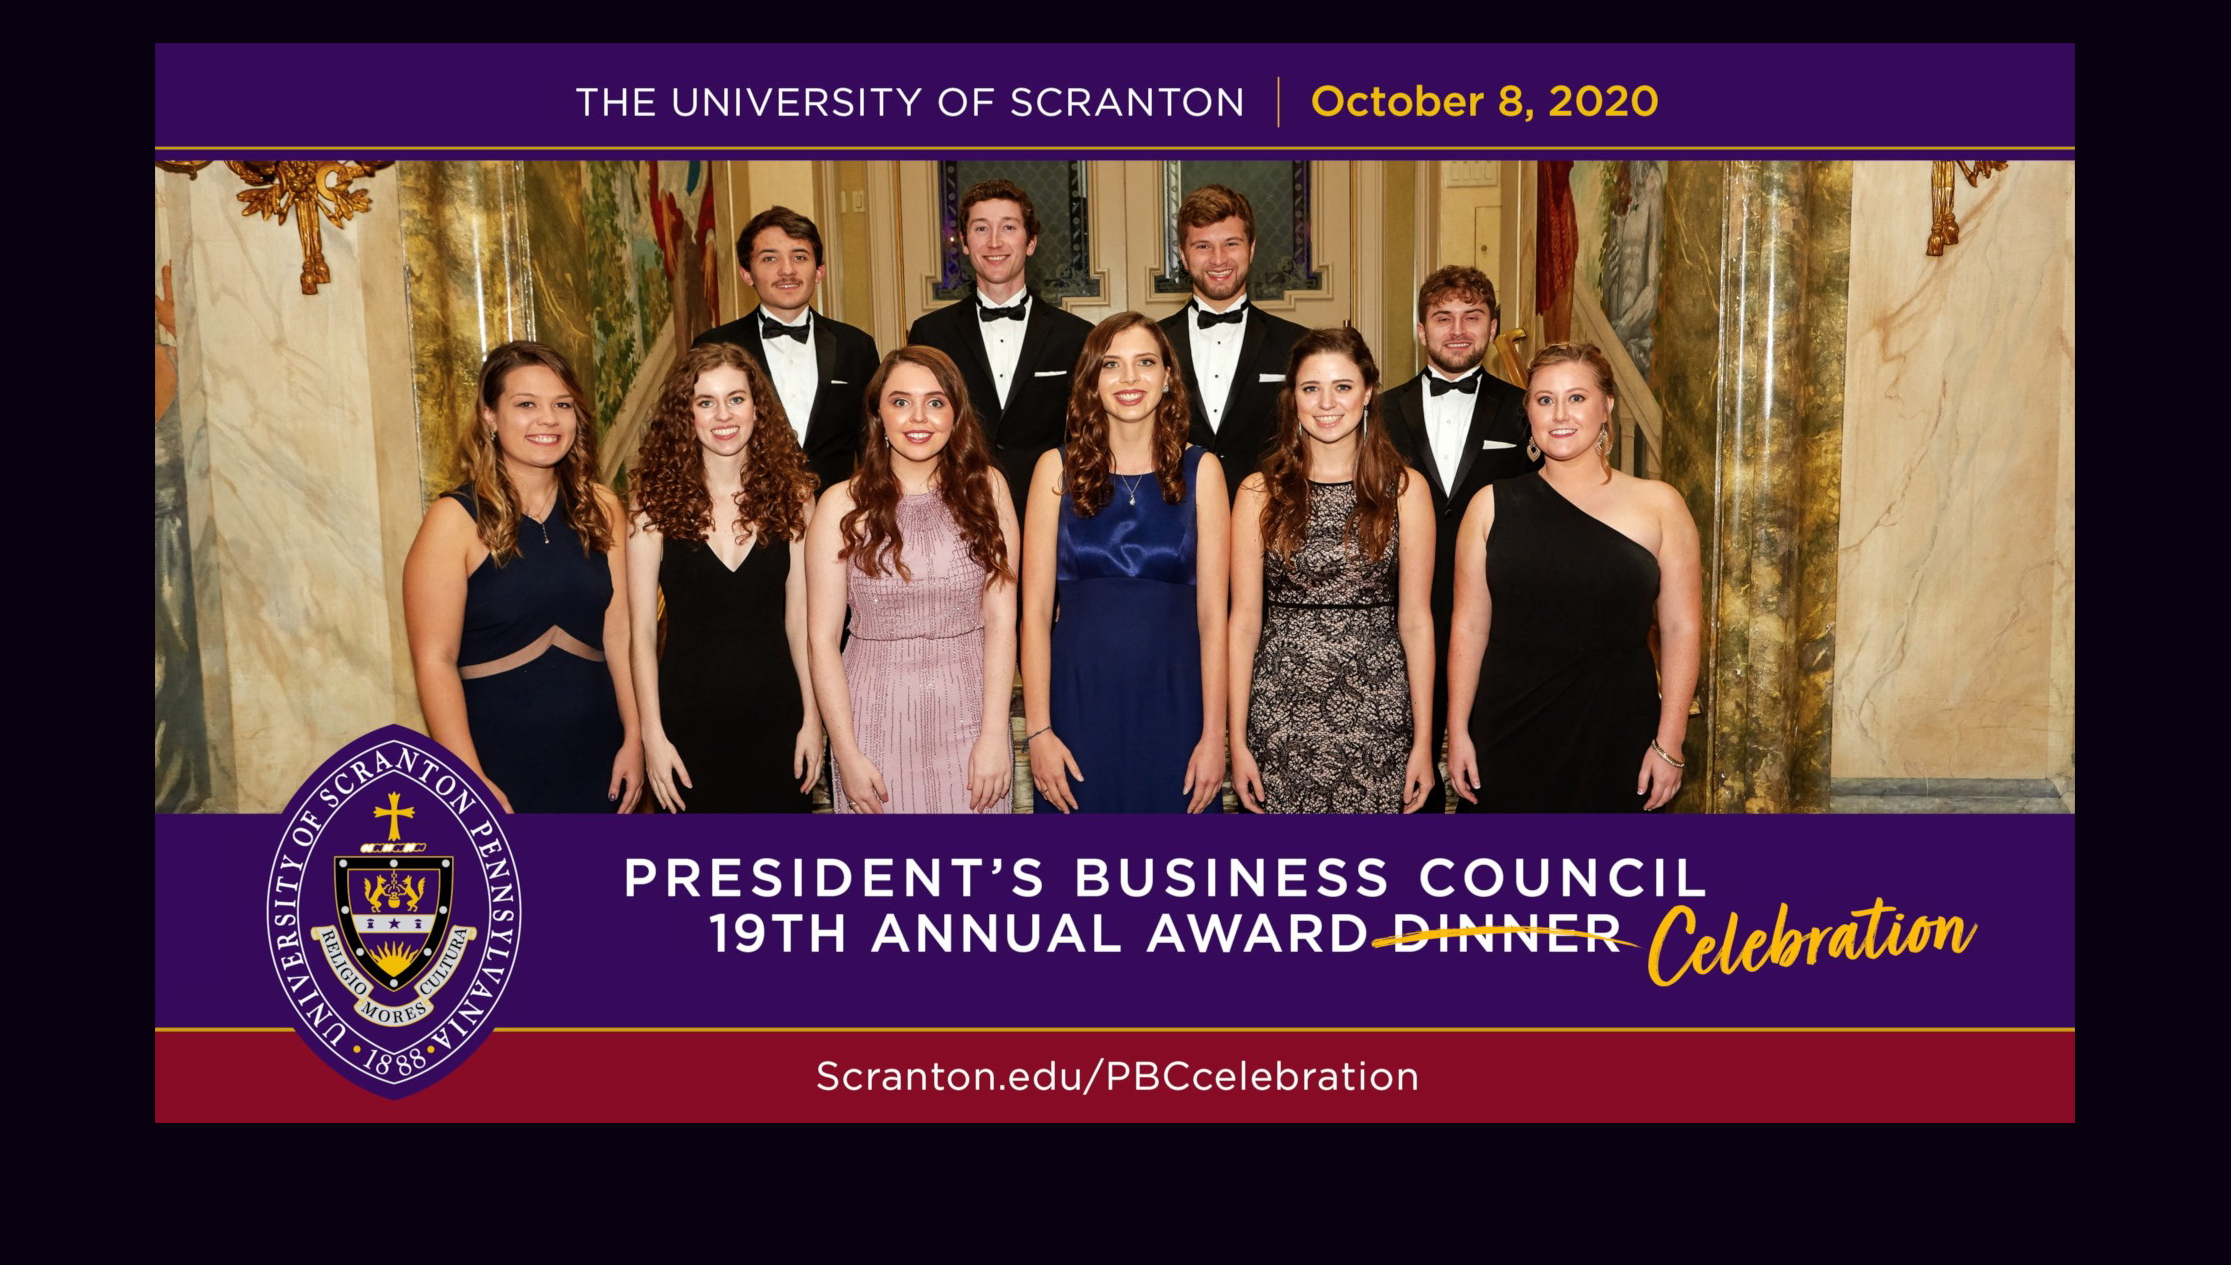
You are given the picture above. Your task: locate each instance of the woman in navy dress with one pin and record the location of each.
(1124, 592)
(515, 597)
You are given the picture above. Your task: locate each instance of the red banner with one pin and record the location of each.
(1157, 1075)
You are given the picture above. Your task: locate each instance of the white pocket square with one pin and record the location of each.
(838, 382)
(1270, 377)
(1496, 443)
(1051, 373)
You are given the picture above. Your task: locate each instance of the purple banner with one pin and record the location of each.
(607, 958)
(1105, 100)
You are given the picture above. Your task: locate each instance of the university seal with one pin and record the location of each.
(393, 914)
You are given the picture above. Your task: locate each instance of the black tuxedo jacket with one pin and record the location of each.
(1499, 418)
(1036, 413)
(847, 359)
(1250, 418)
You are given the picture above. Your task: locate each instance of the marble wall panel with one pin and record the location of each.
(2060, 746)
(1956, 575)
(295, 510)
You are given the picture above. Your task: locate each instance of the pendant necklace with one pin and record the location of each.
(1131, 485)
(544, 521)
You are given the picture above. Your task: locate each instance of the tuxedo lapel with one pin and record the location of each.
(750, 341)
(976, 367)
(1483, 417)
(824, 369)
(1181, 341)
(1253, 332)
(1035, 332)
(1408, 409)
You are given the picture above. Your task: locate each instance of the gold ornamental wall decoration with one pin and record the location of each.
(309, 190)
(1944, 229)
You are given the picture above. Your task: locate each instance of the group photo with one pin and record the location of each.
(1405, 488)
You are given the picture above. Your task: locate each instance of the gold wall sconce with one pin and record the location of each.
(1944, 229)
(309, 190)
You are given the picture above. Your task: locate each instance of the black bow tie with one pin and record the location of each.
(1469, 384)
(987, 314)
(769, 327)
(1234, 316)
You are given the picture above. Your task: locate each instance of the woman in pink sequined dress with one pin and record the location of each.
(920, 544)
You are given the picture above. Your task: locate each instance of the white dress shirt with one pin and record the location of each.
(1215, 357)
(1448, 419)
(1003, 342)
(796, 372)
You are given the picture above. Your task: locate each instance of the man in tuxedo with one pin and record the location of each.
(1462, 429)
(1017, 351)
(820, 367)
(1233, 354)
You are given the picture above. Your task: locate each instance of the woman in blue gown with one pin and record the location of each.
(1124, 592)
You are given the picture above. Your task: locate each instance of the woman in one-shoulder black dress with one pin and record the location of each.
(1562, 574)
(721, 498)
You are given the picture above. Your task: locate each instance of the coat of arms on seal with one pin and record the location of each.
(394, 920)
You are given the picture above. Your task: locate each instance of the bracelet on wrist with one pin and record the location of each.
(1665, 757)
(1035, 732)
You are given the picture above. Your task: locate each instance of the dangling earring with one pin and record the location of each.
(1533, 450)
(1603, 442)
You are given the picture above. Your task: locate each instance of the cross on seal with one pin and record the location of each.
(395, 815)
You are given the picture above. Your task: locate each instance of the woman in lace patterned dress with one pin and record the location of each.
(1332, 628)
(920, 543)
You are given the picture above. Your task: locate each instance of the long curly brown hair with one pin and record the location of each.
(480, 461)
(964, 479)
(1379, 470)
(669, 476)
(1087, 467)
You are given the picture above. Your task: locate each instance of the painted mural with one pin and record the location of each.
(653, 279)
(1620, 212)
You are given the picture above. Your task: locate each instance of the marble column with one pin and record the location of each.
(1750, 370)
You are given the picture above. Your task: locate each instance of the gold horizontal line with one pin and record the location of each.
(1190, 1030)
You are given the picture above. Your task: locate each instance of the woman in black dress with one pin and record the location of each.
(514, 595)
(1554, 703)
(720, 501)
